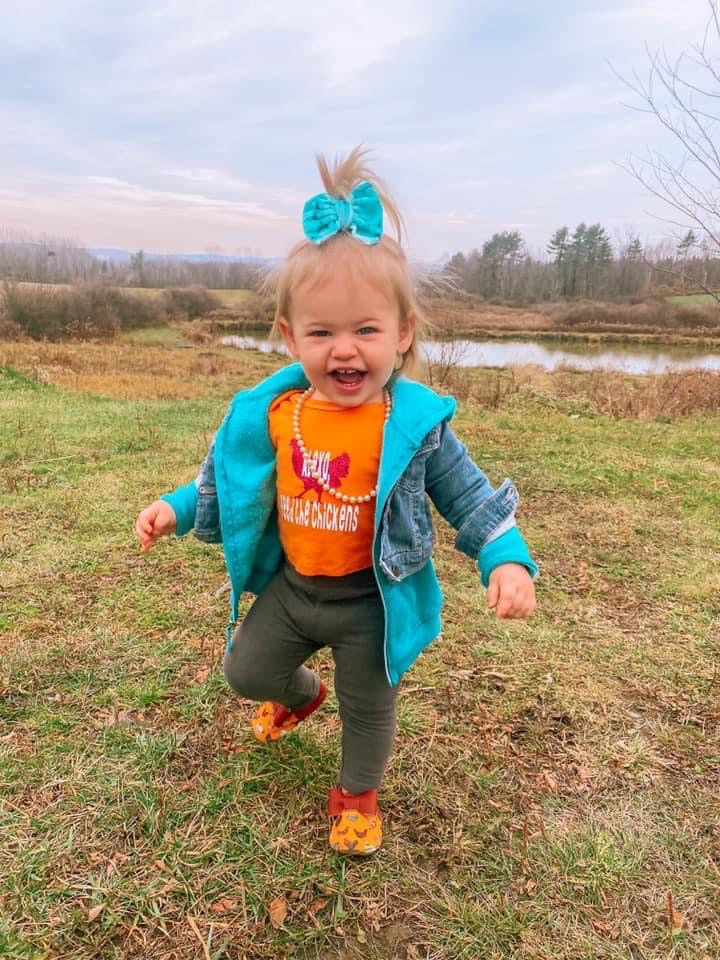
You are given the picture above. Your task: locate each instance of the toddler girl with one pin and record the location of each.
(316, 485)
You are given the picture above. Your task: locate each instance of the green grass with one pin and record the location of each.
(693, 298)
(553, 783)
(165, 335)
(231, 298)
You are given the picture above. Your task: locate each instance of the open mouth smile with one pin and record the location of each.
(348, 377)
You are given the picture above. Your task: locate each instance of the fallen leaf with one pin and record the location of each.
(318, 904)
(95, 912)
(612, 933)
(278, 910)
(161, 865)
(201, 675)
(677, 920)
(550, 779)
(223, 905)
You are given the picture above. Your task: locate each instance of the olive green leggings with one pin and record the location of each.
(293, 618)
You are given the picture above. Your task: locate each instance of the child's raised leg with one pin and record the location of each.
(265, 661)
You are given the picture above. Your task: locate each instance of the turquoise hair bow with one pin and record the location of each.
(361, 215)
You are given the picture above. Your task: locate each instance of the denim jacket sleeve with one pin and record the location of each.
(464, 496)
(483, 517)
(207, 511)
(196, 504)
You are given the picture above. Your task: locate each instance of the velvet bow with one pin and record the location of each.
(361, 215)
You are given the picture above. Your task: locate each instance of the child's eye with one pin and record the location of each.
(319, 333)
(366, 330)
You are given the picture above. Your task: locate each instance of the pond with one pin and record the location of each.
(580, 355)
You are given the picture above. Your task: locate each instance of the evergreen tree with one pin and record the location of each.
(500, 251)
(686, 244)
(137, 265)
(557, 248)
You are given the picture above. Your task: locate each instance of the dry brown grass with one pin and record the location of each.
(127, 370)
(648, 317)
(175, 372)
(672, 394)
(659, 320)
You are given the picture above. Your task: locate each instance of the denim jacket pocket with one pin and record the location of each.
(407, 534)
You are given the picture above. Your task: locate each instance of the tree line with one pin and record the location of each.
(62, 260)
(583, 263)
(578, 263)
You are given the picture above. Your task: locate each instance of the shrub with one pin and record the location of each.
(672, 394)
(192, 301)
(257, 312)
(646, 316)
(89, 311)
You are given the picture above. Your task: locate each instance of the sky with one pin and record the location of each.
(186, 126)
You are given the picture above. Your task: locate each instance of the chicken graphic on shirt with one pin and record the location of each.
(338, 468)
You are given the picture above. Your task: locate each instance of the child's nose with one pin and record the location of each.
(343, 347)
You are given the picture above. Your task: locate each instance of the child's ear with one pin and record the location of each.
(407, 332)
(287, 335)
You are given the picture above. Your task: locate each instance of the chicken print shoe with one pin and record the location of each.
(273, 721)
(357, 828)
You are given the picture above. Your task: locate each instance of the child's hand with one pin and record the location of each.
(511, 593)
(154, 522)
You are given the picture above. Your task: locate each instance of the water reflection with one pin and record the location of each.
(629, 358)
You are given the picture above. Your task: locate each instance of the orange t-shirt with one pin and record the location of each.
(320, 534)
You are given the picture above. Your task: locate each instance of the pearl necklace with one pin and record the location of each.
(315, 474)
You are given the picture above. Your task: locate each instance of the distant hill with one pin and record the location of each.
(123, 256)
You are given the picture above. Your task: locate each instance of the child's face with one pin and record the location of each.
(347, 334)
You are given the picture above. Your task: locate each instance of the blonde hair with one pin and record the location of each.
(383, 263)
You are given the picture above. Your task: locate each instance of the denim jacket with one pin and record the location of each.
(233, 501)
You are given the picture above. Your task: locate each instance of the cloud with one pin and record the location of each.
(652, 14)
(155, 218)
(211, 178)
(480, 184)
(178, 124)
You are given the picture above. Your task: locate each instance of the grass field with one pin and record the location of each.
(693, 298)
(229, 298)
(554, 790)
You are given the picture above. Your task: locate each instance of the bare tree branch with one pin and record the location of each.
(680, 92)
